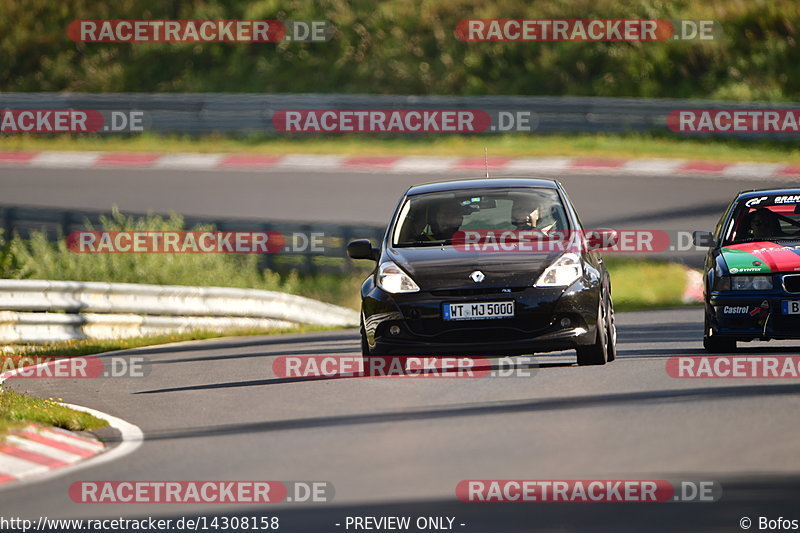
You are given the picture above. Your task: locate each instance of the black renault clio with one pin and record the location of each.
(483, 267)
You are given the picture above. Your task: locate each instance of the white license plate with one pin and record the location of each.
(478, 310)
(791, 307)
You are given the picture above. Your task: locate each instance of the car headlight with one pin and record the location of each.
(751, 283)
(722, 283)
(562, 273)
(391, 278)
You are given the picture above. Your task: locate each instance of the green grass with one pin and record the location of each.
(409, 48)
(17, 409)
(637, 283)
(645, 284)
(598, 145)
(39, 258)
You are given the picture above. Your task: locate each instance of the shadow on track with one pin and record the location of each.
(301, 379)
(319, 351)
(661, 333)
(494, 408)
(242, 342)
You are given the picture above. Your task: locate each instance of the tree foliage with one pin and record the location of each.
(408, 47)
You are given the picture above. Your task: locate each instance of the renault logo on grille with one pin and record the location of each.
(477, 276)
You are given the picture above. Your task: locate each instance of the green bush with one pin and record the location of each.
(409, 47)
(40, 258)
(636, 283)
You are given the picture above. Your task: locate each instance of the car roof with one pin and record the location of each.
(481, 183)
(760, 192)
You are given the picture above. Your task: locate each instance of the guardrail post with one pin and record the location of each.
(267, 261)
(346, 237)
(8, 221)
(66, 222)
(310, 266)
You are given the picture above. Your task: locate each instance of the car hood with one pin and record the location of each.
(762, 257)
(446, 268)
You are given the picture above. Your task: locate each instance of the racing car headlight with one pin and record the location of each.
(751, 283)
(562, 273)
(722, 283)
(391, 278)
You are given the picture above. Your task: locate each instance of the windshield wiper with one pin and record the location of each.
(416, 244)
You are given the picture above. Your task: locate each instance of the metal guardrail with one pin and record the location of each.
(78, 310)
(57, 223)
(204, 113)
(36, 328)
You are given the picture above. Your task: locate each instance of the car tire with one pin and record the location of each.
(364, 343)
(370, 354)
(611, 323)
(598, 353)
(715, 343)
(366, 353)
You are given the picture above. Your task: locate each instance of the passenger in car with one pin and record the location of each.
(764, 224)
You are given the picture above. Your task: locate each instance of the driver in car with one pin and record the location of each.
(524, 214)
(446, 221)
(764, 224)
(434, 223)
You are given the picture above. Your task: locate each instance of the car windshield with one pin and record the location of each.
(433, 219)
(767, 219)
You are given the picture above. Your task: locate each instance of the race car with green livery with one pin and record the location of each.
(752, 270)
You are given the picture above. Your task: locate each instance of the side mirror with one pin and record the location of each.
(362, 249)
(601, 239)
(703, 238)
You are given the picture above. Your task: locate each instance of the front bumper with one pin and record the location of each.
(749, 315)
(536, 326)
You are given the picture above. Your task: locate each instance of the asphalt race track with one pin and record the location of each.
(626, 201)
(621, 201)
(215, 410)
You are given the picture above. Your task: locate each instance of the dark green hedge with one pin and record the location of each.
(408, 47)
